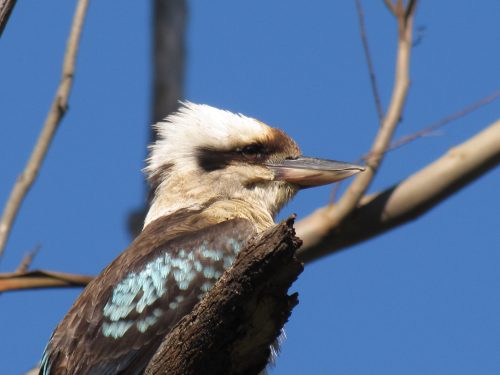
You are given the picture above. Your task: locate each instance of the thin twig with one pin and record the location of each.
(56, 113)
(28, 259)
(369, 61)
(438, 124)
(332, 216)
(6, 7)
(41, 279)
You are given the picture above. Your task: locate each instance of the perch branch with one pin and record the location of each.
(230, 331)
(54, 117)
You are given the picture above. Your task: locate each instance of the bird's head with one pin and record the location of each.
(204, 154)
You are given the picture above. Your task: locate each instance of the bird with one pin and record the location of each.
(217, 179)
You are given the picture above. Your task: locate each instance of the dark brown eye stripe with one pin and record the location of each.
(211, 160)
(276, 146)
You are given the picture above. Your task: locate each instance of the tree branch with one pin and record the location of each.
(54, 117)
(230, 331)
(333, 215)
(376, 214)
(40, 279)
(6, 8)
(405, 201)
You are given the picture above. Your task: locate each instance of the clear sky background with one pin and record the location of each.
(423, 299)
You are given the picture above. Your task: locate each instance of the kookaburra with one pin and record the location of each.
(218, 179)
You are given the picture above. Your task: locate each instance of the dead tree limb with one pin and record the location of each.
(411, 198)
(54, 117)
(230, 331)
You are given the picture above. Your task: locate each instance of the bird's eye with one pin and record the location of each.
(253, 151)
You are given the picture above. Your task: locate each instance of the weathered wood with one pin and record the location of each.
(230, 331)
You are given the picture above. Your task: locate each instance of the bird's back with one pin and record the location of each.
(117, 323)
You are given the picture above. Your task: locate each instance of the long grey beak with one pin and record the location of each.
(308, 172)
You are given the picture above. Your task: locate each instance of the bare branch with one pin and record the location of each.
(369, 62)
(6, 8)
(41, 279)
(230, 331)
(405, 201)
(333, 215)
(54, 117)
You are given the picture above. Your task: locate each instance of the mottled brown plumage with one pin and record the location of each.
(78, 345)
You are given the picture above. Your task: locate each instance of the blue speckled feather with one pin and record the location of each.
(118, 322)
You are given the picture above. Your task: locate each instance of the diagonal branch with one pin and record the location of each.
(41, 279)
(407, 200)
(333, 215)
(54, 117)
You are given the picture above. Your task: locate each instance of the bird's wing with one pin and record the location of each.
(117, 323)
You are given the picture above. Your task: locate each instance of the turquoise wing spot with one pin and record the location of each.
(116, 329)
(141, 289)
(150, 285)
(235, 246)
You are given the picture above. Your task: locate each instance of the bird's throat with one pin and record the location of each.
(218, 210)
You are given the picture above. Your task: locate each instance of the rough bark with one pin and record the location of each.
(230, 331)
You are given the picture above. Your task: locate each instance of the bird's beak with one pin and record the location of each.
(308, 172)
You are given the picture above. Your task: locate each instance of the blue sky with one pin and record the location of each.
(421, 299)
